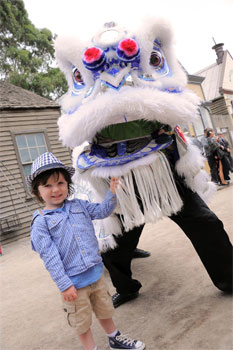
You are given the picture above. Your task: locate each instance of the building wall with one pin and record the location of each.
(197, 89)
(12, 182)
(229, 104)
(213, 76)
(227, 83)
(221, 118)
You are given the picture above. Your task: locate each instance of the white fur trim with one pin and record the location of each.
(162, 30)
(133, 103)
(69, 52)
(191, 166)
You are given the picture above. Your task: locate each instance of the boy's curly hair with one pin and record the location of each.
(42, 178)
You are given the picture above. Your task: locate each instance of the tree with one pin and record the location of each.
(27, 53)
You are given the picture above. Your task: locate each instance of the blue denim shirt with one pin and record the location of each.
(65, 239)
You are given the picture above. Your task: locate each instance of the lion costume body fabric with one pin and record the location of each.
(122, 116)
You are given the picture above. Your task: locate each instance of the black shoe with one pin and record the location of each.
(119, 299)
(140, 253)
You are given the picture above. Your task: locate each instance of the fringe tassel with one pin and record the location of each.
(105, 229)
(157, 192)
(106, 243)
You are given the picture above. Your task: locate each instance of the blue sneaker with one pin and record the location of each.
(121, 341)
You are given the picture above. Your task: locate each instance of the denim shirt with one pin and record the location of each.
(65, 239)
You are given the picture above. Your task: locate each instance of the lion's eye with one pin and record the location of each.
(156, 59)
(77, 76)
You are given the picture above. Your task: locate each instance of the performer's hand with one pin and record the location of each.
(113, 184)
(70, 294)
(161, 131)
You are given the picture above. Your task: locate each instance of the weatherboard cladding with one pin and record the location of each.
(20, 112)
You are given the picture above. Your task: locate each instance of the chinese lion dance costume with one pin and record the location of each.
(123, 116)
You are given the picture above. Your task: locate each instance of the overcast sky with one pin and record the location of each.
(196, 22)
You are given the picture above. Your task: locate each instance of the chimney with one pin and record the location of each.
(219, 52)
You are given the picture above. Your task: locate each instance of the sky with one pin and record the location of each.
(195, 22)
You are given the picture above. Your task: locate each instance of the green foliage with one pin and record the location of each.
(27, 53)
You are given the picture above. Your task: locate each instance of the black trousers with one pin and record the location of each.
(201, 226)
(213, 168)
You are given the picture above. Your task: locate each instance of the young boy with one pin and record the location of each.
(63, 234)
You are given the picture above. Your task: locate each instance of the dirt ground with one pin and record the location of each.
(178, 308)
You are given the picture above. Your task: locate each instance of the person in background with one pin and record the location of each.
(63, 234)
(210, 146)
(226, 145)
(204, 140)
(215, 156)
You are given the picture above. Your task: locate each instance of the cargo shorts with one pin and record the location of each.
(96, 298)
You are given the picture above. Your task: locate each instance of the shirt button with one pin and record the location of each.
(74, 225)
(54, 222)
(83, 251)
(78, 238)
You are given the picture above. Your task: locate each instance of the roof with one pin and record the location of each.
(15, 97)
(212, 82)
(195, 79)
(218, 77)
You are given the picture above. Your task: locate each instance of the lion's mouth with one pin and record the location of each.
(122, 148)
(127, 131)
(127, 138)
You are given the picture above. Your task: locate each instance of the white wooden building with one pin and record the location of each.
(28, 125)
(218, 90)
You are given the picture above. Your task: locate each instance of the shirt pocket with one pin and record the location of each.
(54, 226)
(83, 223)
(79, 214)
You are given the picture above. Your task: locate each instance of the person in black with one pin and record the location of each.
(204, 229)
(227, 151)
(209, 148)
(216, 153)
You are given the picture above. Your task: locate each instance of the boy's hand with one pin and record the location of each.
(70, 294)
(113, 184)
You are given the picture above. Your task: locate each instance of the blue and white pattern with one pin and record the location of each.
(46, 161)
(86, 160)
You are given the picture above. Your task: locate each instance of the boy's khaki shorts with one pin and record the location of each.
(94, 297)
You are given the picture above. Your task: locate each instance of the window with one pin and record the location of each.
(30, 146)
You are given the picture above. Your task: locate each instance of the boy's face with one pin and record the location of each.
(54, 192)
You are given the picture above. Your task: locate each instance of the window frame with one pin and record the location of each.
(24, 132)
